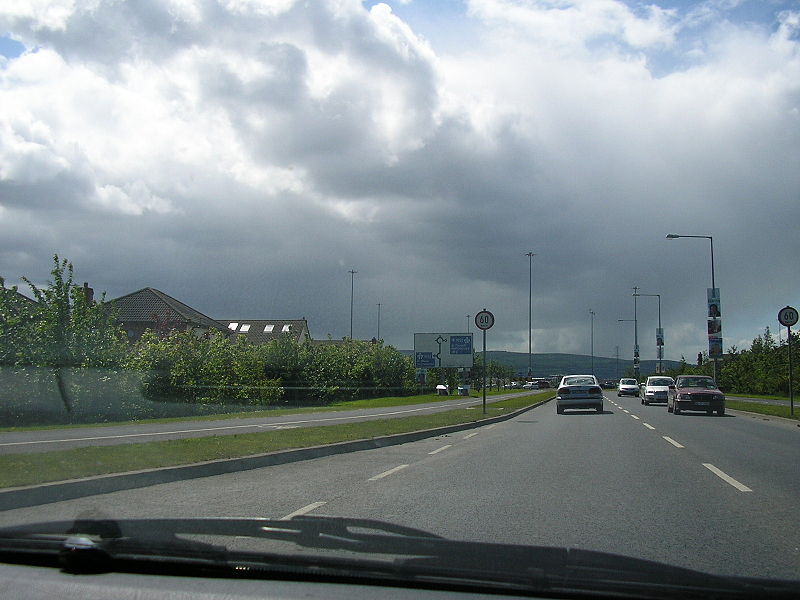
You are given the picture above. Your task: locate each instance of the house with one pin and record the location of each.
(150, 308)
(259, 331)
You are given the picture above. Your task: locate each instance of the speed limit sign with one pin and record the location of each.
(484, 320)
(787, 316)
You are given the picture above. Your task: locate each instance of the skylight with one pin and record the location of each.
(286, 328)
(245, 328)
(269, 328)
(233, 326)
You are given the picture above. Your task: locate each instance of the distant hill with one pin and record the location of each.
(547, 364)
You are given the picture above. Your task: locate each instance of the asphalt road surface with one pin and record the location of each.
(715, 493)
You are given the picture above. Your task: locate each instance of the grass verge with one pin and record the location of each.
(275, 412)
(35, 468)
(763, 409)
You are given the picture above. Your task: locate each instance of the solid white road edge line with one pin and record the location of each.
(727, 478)
(387, 473)
(673, 442)
(303, 511)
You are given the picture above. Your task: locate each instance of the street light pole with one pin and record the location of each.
(635, 370)
(661, 353)
(635, 336)
(352, 284)
(674, 236)
(379, 322)
(591, 313)
(530, 256)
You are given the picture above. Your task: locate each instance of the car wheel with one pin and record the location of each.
(669, 408)
(559, 410)
(675, 409)
(721, 412)
(618, 394)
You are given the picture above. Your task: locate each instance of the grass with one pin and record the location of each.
(760, 396)
(764, 409)
(276, 412)
(36, 468)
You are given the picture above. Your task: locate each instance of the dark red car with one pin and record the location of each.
(696, 392)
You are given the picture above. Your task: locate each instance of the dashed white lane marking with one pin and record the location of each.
(635, 417)
(303, 511)
(648, 425)
(387, 473)
(441, 449)
(727, 478)
(673, 442)
(490, 426)
(625, 411)
(466, 437)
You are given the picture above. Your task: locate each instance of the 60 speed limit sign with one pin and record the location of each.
(787, 316)
(484, 320)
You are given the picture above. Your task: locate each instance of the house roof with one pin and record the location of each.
(149, 305)
(259, 331)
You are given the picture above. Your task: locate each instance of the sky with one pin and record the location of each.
(243, 156)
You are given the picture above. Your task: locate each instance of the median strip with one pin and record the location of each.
(93, 461)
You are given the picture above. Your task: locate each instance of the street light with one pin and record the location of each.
(635, 362)
(591, 312)
(379, 322)
(530, 256)
(352, 279)
(674, 236)
(659, 353)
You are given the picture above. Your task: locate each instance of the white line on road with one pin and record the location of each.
(727, 478)
(625, 411)
(648, 425)
(466, 437)
(441, 449)
(387, 473)
(673, 442)
(490, 426)
(303, 511)
(635, 417)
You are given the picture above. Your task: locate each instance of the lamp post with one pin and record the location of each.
(659, 352)
(352, 284)
(635, 365)
(591, 314)
(635, 335)
(379, 322)
(674, 236)
(530, 256)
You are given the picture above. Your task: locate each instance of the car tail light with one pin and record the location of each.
(563, 391)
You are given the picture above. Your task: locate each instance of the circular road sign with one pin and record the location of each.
(787, 316)
(484, 320)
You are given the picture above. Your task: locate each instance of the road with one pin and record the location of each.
(44, 440)
(715, 493)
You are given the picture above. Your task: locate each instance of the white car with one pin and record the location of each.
(579, 391)
(628, 387)
(657, 388)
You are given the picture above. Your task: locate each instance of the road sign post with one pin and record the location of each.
(787, 316)
(483, 321)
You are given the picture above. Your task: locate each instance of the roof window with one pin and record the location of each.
(233, 326)
(245, 328)
(286, 328)
(269, 328)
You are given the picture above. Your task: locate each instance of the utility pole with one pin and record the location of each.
(352, 280)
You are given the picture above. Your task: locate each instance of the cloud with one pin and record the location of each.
(243, 156)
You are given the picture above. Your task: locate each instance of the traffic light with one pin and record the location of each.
(699, 359)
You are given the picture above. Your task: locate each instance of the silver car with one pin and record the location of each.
(657, 388)
(628, 387)
(579, 391)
